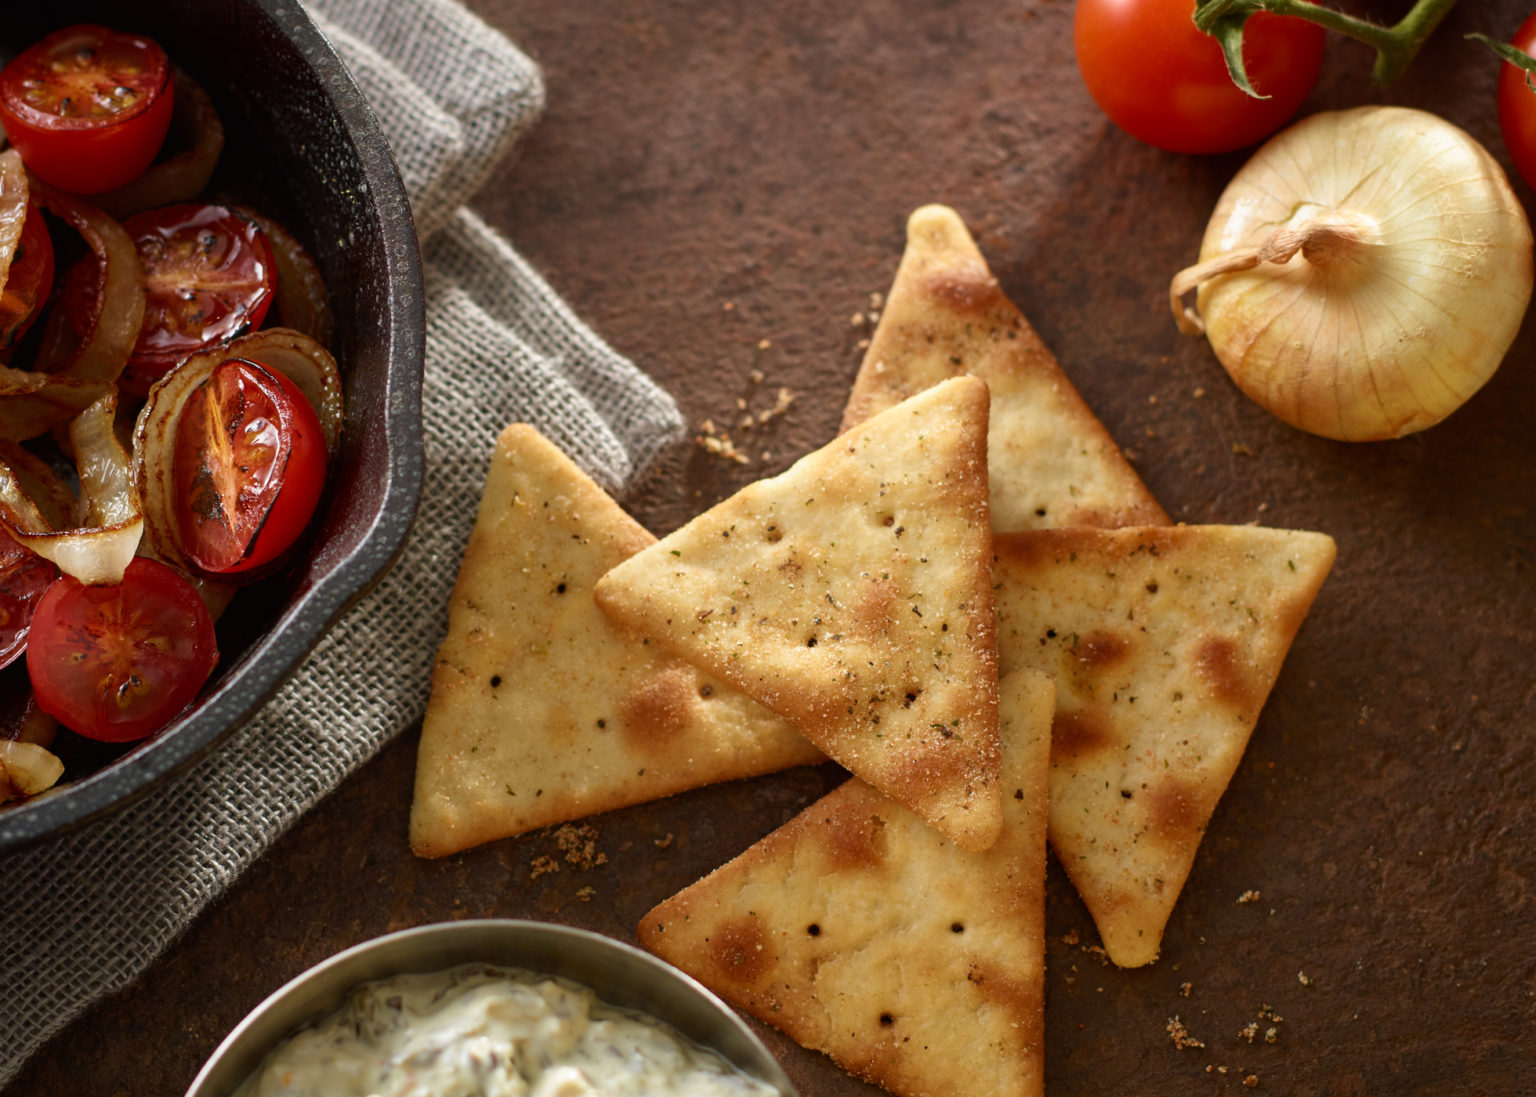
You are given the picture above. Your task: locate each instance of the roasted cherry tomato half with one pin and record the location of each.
(24, 578)
(116, 663)
(87, 107)
(1164, 82)
(1517, 107)
(208, 277)
(249, 466)
(29, 282)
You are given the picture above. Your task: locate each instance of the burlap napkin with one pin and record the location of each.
(84, 916)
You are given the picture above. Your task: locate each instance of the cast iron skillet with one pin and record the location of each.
(303, 146)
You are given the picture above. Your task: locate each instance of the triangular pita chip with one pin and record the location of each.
(853, 594)
(865, 934)
(542, 709)
(1164, 643)
(1052, 462)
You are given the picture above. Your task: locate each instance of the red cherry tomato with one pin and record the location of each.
(1517, 107)
(116, 663)
(87, 107)
(208, 277)
(1164, 82)
(249, 467)
(24, 578)
(29, 281)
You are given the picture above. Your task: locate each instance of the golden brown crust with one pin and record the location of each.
(816, 930)
(853, 595)
(541, 710)
(1052, 462)
(1164, 643)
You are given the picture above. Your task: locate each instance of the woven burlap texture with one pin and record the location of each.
(84, 916)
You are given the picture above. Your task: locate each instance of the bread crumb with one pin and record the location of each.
(780, 406)
(1268, 1014)
(1249, 1031)
(1271, 1034)
(856, 320)
(1249, 896)
(1199, 392)
(876, 300)
(764, 344)
(1304, 979)
(1215, 1070)
(1180, 1035)
(756, 377)
(730, 305)
(585, 894)
(542, 866)
(1185, 988)
(1241, 450)
(863, 344)
(874, 317)
(579, 844)
(1251, 1081)
(663, 843)
(1152, 399)
(1071, 938)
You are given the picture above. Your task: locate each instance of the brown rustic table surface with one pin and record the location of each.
(719, 187)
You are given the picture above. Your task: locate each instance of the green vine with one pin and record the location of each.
(1395, 46)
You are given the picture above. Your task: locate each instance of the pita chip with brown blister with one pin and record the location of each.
(542, 710)
(863, 933)
(1052, 462)
(1164, 643)
(853, 594)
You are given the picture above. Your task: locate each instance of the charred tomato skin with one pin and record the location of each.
(87, 107)
(249, 468)
(117, 663)
(29, 281)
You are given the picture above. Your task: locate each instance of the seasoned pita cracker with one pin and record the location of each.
(865, 934)
(1052, 462)
(542, 710)
(853, 594)
(1164, 643)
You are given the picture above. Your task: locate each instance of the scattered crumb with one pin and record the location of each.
(585, 894)
(1304, 979)
(1151, 433)
(1249, 1031)
(579, 844)
(856, 320)
(1071, 938)
(874, 317)
(1180, 1035)
(730, 305)
(1185, 988)
(1152, 399)
(1251, 1081)
(764, 344)
(1199, 392)
(766, 456)
(1249, 896)
(756, 377)
(1271, 1034)
(1215, 1070)
(663, 843)
(1268, 1014)
(1241, 450)
(1263, 507)
(741, 403)
(1098, 952)
(720, 445)
(876, 300)
(542, 866)
(863, 344)
(780, 406)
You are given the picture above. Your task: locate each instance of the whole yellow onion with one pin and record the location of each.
(1363, 274)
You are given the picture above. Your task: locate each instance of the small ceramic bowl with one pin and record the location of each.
(618, 973)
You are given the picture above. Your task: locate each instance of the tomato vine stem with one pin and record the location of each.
(1395, 46)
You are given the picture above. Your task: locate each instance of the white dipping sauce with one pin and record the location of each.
(478, 1031)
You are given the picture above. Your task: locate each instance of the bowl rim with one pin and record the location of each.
(273, 657)
(427, 942)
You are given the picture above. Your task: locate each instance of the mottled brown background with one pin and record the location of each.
(699, 153)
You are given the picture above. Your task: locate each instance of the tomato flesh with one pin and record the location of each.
(209, 276)
(29, 282)
(249, 467)
(116, 663)
(87, 107)
(24, 578)
(1164, 82)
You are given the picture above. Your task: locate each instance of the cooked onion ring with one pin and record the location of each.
(181, 178)
(119, 313)
(109, 522)
(34, 403)
(13, 208)
(292, 353)
(26, 769)
(302, 302)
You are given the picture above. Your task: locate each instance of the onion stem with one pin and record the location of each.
(1395, 46)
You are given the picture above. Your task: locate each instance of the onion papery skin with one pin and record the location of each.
(292, 353)
(1395, 333)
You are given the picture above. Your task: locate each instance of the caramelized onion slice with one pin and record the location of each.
(53, 497)
(292, 353)
(13, 208)
(109, 520)
(26, 769)
(119, 313)
(196, 128)
(302, 302)
(34, 403)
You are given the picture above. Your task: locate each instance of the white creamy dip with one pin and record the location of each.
(478, 1031)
